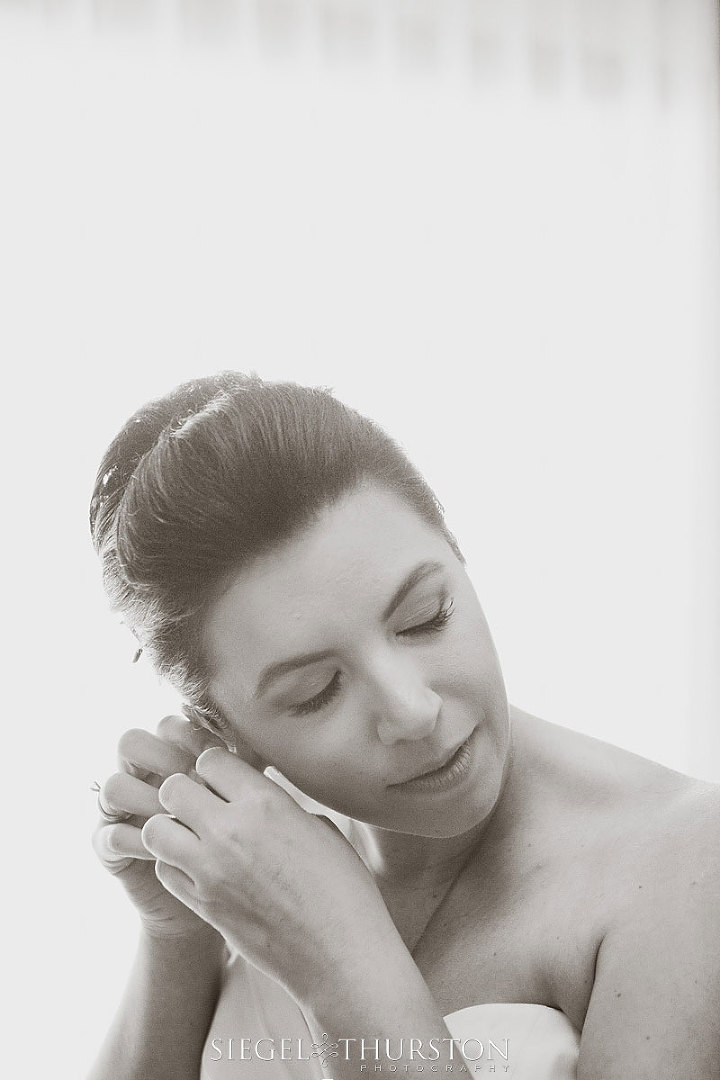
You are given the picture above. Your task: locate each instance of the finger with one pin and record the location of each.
(140, 752)
(232, 740)
(192, 736)
(170, 841)
(189, 735)
(227, 774)
(118, 844)
(192, 804)
(123, 795)
(197, 736)
(111, 816)
(177, 882)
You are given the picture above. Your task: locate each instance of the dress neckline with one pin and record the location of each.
(552, 1014)
(507, 1005)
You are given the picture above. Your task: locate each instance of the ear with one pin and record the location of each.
(226, 734)
(204, 719)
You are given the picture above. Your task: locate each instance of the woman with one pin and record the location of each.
(352, 836)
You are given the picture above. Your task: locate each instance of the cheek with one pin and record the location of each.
(327, 765)
(301, 754)
(476, 644)
(259, 738)
(470, 668)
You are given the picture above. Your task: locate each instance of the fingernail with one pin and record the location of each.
(205, 758)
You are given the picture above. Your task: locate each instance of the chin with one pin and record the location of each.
(434, 821)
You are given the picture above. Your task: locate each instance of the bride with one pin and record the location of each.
(352, 855)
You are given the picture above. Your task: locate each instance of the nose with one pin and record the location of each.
(405, 706)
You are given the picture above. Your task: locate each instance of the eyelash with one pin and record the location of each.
(316, 703)
(432, 626)
(438, 622)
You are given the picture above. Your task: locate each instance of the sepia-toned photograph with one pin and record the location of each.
(362, 448)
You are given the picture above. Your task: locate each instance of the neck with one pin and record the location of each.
(412, 862)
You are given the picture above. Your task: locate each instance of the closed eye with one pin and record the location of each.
(313, 704)
(438, 622)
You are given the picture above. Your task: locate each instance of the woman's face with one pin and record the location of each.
(355, 657)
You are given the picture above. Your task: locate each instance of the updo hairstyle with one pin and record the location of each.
(216, 472)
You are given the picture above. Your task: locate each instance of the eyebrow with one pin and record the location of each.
(274, 671)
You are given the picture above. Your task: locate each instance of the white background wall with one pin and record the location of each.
(492, 227)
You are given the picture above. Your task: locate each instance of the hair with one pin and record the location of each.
(218, 471)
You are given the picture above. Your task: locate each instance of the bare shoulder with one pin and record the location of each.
(657, 973)
(678, 826)
(606, 795)
(655, 841)
(684, 848)
(663, 835)
(665, 845)
(695, 813)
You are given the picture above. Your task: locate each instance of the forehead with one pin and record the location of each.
(316, 590)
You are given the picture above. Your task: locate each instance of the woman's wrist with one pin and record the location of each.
(386, 1013)
(360, 958)
(195, 950)
(370, 985)
(160, 1027)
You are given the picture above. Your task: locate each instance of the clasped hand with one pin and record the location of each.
(283, 886)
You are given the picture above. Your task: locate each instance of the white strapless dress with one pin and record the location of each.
(509, 1040)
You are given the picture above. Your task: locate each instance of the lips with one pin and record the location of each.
(434, 765)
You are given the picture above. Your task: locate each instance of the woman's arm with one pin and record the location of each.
(384, 997)
(160, 1026)
(159, 1030)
